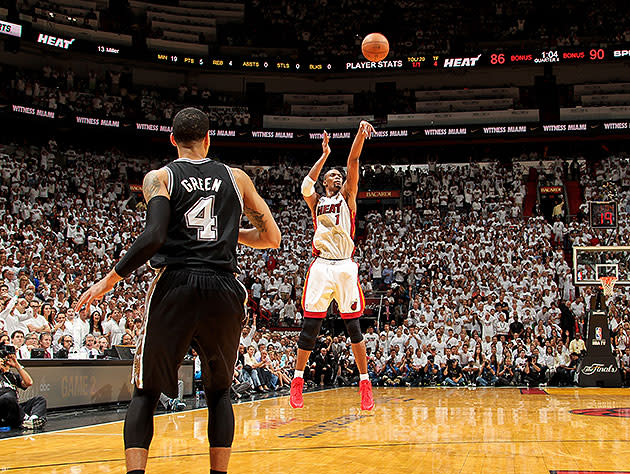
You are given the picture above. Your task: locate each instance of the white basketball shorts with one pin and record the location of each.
(333, 279)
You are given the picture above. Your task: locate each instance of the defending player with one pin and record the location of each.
(333, 274)
(194, 207)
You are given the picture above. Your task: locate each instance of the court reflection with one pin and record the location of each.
(410, 430)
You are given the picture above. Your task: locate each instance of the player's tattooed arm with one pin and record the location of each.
(155, 184)
(265, 233)
(151, 185)
(257, 218)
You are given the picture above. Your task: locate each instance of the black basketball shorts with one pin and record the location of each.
(189, 307)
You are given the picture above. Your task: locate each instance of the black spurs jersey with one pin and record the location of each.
(206, 208)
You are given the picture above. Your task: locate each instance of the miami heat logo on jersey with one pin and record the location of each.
(334, 228)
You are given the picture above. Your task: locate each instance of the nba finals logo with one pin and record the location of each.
(598, 334)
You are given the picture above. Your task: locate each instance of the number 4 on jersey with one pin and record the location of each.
(201, 217)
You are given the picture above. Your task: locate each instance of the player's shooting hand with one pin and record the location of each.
(95, 292)
(366, 129)
(325, 146)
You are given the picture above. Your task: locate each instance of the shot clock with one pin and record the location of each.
(603, 214)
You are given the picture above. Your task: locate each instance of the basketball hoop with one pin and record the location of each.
(608, 284)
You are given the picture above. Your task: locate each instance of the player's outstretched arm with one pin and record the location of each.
(265, 233)
(351, 186)
(308, 185)
(155, 190)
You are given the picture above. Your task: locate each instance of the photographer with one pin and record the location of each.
(453, 375)
(533, 373)
(30, 414)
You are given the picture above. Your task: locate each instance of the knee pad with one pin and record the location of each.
(354, 330)
(309, 333)
(220, 419)
(138, 430)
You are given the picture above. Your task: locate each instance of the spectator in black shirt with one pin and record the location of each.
(323, 367)
(453, 374)
(516, 328)
(66, 347)
(30, 414)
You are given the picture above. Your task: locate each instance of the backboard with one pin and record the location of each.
(592, 263)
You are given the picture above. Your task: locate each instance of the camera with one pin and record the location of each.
(6, 350)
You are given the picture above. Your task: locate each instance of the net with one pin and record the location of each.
(608, 284)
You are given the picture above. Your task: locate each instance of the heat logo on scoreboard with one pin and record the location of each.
(461, 62)
(55, 41)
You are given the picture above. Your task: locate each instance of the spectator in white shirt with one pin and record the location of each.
(248, 334)
(30, 342)
(113, 329)
(89, 349)
(81, 328)
(38, 323)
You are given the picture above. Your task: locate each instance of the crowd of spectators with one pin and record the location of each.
(326, 29)
(464, 277)
(322, 30)
(112, 95)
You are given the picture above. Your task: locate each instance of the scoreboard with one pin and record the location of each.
(502, 58)
(410, 62)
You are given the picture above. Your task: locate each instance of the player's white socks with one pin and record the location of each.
(363, 377)
(298, 373)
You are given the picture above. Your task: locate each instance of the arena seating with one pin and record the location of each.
(455, 261)
(112, 95)
(414, 27)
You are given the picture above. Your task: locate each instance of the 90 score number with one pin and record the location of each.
(596, 54)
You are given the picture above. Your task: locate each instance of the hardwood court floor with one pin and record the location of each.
(410, 431)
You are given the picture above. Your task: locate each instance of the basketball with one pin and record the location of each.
(375, 47)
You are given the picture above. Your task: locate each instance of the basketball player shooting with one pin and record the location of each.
(194, 207)
(333, 274)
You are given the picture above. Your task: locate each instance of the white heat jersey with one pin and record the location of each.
(334, 228)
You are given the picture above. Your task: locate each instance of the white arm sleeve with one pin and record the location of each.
(308, 187)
